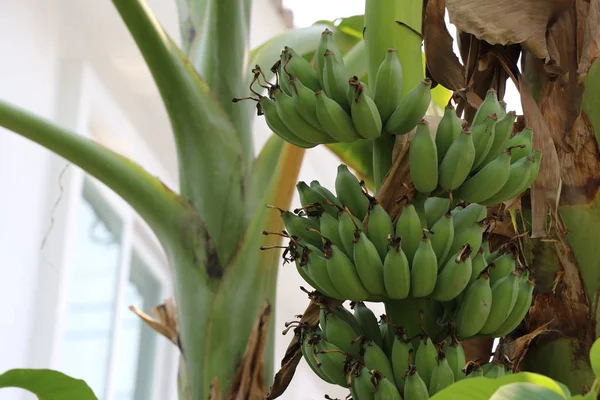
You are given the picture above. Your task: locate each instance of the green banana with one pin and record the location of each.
(447, 132)
(308, 351)
(442, 375)
(488, 181)
(504, 297)
(375, 359)
(502, 132)
(297, 226)
(368, 264)
(350, 193)
(339, 333)
(483, 137)
(379, 228)
(311, 201)
(454, 277)
(301, 68)
(489, 106)
(535, 169)
(478, 265)
(267, 107)
(368, 322)
(396, 273)
(517, 178)
(408, 228)
(519, 311)
(334, 120)
(306, 103)
(365, 116)
(410, 110)
(284, 77)
(343, 313)
(468, 216)
(494, 370)
(305, 274)
(388, 85)
(471, 235)
(457, 162)
(327, 195)
(347, 225)
(455, 355)
(317, 269)
(485, 248)
(435, 208)
(387, 335)
(442, 237)
(503, 266)
(473, 370)
(329, 228)
(335, 79)
(362, 383)
(332, 361)
(423, 159)
(325, 43)
(343, 274)
(386, 390)
(474, 308)
(524, 140)
(423, 273)
(401, 349)
(414, 386)
(425, 359)
(287, 109)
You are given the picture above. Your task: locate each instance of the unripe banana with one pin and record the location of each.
(326, 193)
(312, 201)
(454, 277)
(343, 313)
(317, 269)
(305, 274)
(425, 358)
(329, 228)
(410, 110)
(401, 349)
(494, 370)
(474, 370)
(471, 235)
(350, 193)
(343, 274)
(334, 120)
(468, 216)
(306, 103)
(489, 106)
(502, 132)
(414, 386)
(442, 237)
(308, 351)
(519, 311)
(297, 226)
(326, 42)
(435, 208)
(503, 266)
(447, 132)
(332, 361)
(387, 335)
(267, 107)
(535, 169)
(515, 184)
(483, 136)
(282, 74)
(455, 355)
(365, 116)
(339, 333)
(408, 228)
(396, 273)
(335, 79)
(287, 109)
(423, 159)
(504, 297)
(388, 85)
(386, 390)
(457, 162)
(423, 274)
(488, 181)
(479, 264)
(375, 359)
(485, 247)
(362, 384)
(442, 375)
(368, 264)
(379, 228)
(368, 322)
(301, 68)
(347, 225)
(474, 308)
(524, 139)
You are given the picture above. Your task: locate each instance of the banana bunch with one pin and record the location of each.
(493, 369)
(349, 350)
(309, 106)
(481, 164)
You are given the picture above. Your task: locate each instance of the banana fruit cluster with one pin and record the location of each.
(309, 106)
(377, 360)
(481, 164)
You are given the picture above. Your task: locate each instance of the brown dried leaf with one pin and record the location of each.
(506, 22)
(442, 63)
(215, 389)
(166, 324)
(516, 349)
(590, 11)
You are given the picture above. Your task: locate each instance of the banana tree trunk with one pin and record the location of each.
(562, 322)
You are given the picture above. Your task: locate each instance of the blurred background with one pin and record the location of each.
(74, 255)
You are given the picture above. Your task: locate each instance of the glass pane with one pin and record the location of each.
(137, 342)
(91, 294)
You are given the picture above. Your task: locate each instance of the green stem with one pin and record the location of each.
(397, 24)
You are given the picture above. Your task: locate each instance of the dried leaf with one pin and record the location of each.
(442, 63)
(215, 389)
(506, 22)
(166, 324)
(516, 349)
(590, 11)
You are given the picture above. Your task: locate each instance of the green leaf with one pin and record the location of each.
(209, 152)
(47, 384)
(483, 388)
(595, 357)
(525, 391)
